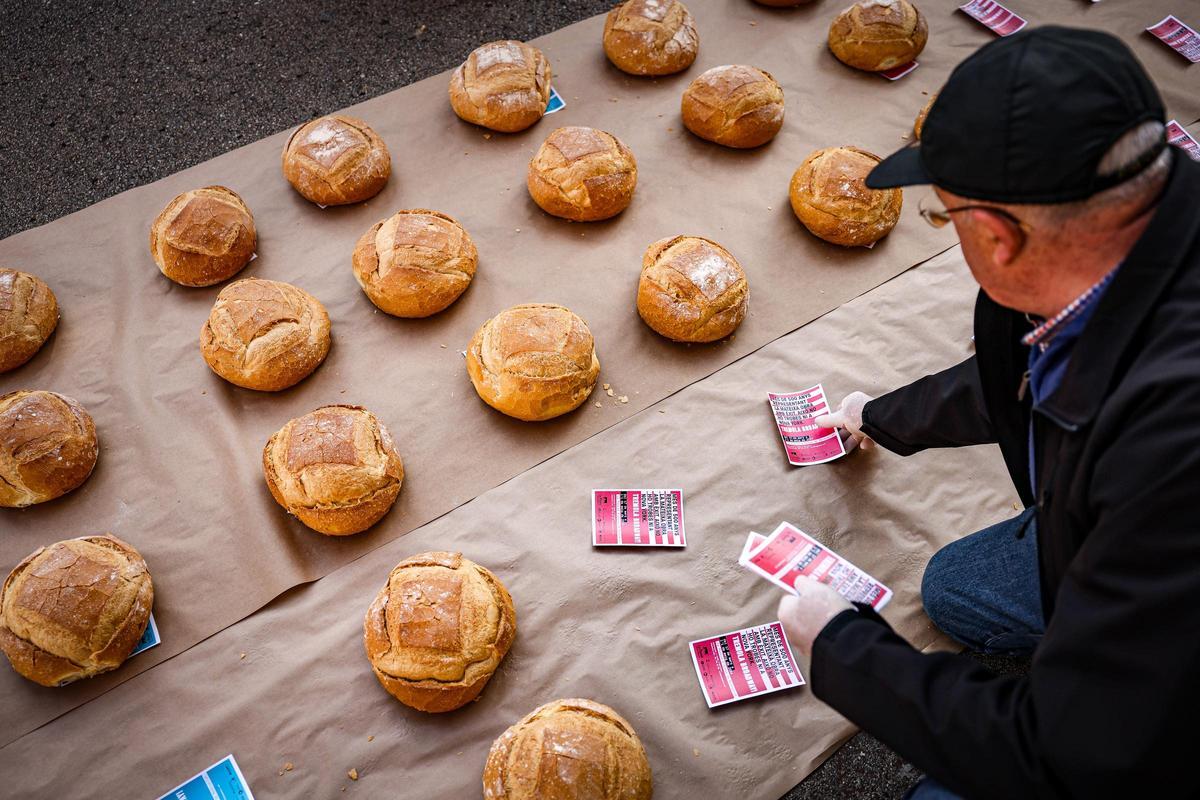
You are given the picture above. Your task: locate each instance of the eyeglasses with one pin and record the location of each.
(939, 217)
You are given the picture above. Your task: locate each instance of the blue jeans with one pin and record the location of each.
(983, 591)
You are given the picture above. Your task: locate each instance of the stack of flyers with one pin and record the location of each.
(994, 16)
(222, 781)
(804, 442)
(1178, 36)
(637, 518)
(789, 554)
(1178, 136)
(746, 663)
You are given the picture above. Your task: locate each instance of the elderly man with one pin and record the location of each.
(1047, 152)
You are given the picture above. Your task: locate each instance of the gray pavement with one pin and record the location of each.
(101, 97)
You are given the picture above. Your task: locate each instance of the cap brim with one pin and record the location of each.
(902, 168)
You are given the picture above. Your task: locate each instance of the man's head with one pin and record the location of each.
(1048, 151)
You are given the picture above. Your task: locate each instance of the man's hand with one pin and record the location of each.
(808, 611)
(848, 417)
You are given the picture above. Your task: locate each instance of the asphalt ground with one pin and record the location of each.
(98, 98)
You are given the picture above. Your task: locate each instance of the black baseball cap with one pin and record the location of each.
(1027, 118)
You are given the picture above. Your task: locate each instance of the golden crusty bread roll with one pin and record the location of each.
(47, 447)
(691, 289)
(533, 362)
(265, 335)
(569, 750)
(582, 174)
(876, 35)
(335, 468)
(503, 85)
(336, 160)
(415, 263)
(437, 630)
(830, 196)
(203, 236)
(28, 315)
(919, 122)
(651, 37)
(74, 609)
(734, 105)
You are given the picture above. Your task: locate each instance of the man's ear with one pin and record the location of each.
(1002, 234)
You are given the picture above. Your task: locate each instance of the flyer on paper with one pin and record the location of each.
(222, 781)
(637, 518)
(789, 554)
(994, 16)
(746, 663)
(803, 441)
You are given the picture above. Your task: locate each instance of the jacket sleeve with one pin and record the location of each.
(945, 409)
(1111, 698)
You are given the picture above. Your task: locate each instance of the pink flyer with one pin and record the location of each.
(745, 663)
(1178, 136)
(896, 73)
(1179, 37)
(637, 518)
(789, 554)
(994, 16)
(804, 442)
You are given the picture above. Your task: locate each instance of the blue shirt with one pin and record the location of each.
(1050, 347)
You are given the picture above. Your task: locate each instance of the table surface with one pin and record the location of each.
(101, 99)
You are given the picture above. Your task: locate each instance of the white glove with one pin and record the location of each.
(848, 417)
(805, 614)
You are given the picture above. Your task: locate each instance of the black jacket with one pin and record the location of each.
(1112, 698)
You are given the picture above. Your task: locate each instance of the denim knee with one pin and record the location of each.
(936, 591)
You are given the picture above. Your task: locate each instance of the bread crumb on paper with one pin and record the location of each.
(487, 136)
(370, 738)
(695, 752)
(605, 386)
(608, 391)
(352, 774)
(624, 398)
(599, 406)
(242, 656)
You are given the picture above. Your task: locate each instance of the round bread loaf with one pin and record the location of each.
(651, 37)
(577, 749)
(335, 160)
(734, 105)
(533, 362)
(438, 630)
(582, 174)
(504, 86)
(47, 447)
(203, 236)
(876, 35)
(691, 289)
(74, 609)
(830, 196)
(265, 335)
(28, 315)
(919, 122)
(415, 263)
(335, 468)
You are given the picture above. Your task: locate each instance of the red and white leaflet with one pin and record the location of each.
(752, 541)
(1178, 136)
(746, 663)
(789, 554)
(896, 73)
(1178, 36)
(803, 441)
(994, 16)
(637, 518)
